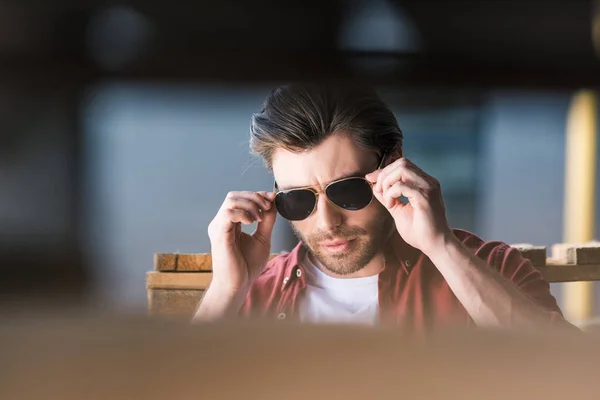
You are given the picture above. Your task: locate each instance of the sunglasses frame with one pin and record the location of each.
(316, 193)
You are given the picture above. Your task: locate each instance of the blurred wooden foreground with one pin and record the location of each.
(176, 285)
(101, 358)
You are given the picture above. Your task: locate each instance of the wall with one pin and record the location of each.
(162, 158)
(521, 187)
(161, 161)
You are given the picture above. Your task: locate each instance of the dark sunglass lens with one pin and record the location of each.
(350, 194)
(295, 205)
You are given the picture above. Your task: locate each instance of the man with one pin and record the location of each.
(364, 256)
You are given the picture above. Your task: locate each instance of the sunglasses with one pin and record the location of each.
(353, 193)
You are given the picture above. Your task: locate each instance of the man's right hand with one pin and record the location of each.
(237, 257)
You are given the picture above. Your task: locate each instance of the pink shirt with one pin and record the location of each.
(412, 292)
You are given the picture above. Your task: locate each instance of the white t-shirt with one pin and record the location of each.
(337, 300)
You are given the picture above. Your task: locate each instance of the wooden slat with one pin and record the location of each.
(584, 255)
(536, 254)
(175, 303)
(171, 262)
(552, 271)
(165, 262)
(194, 262)
(556, 271)
(178, 280)
(189, 262)
(577, 253)
(558, 252)
(177, 294)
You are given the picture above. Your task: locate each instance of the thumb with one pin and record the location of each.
(264, 228)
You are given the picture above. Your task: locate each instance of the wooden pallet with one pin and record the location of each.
(178, 281)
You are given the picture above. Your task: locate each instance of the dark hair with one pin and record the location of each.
(300, 116)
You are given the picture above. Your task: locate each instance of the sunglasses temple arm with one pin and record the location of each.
(382, 161)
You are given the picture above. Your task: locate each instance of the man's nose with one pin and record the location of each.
(328, 215)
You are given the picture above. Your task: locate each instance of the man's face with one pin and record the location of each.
(343, 241)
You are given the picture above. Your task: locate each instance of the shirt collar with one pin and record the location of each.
(292, 263)
(402, 253)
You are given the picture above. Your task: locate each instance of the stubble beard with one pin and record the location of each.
(366, 243)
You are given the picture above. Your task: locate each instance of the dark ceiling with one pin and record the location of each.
(517, 43)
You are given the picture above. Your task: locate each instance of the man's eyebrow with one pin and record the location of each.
(357, 173)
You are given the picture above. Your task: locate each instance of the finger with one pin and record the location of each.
(379, 175)
(261, 200)
(270, 196)
(264, 228)
(386, 170)
(372, 176)
(431, 181)
(392, 194)
(390, 198)
(236, 216)
(406, 175)
(390, 204)
(244, 204)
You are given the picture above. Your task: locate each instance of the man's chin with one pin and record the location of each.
(341, 264)
(355, 255)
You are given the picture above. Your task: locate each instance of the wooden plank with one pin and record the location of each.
(586, 254)
(553, 271)
(178, 280)
(173, 302)
(577, 253)
(165, 262)
(535, 254)
(556, 271)
(559, 252)
(177, 294)
(171, 262)
(189, 262)
(194, 262)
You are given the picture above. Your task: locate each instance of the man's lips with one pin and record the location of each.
(333, 243)
(336, 247)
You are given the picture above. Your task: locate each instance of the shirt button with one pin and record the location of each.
(281, 316)
(285, 280)
(298, 273)
(407, 263)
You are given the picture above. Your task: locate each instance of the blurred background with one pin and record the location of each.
(125, 123)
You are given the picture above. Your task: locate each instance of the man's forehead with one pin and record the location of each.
(293, 170)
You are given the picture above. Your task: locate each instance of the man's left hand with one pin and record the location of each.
(421, 222)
